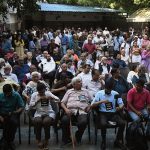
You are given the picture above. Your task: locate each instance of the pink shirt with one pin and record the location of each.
(145, 43)
(138, 100)
(75, 100)
(90, 48)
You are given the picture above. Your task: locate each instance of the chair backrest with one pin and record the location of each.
(55, 106)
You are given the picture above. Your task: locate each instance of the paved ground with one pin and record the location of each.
(86, 145)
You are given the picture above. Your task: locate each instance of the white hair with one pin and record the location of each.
(2, 60)
(35, 73)
(75, 79)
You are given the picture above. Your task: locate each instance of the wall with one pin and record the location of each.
(73, 17)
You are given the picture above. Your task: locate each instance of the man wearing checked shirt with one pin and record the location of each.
(109, 104)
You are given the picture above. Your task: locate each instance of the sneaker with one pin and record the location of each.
(120, 145)
(78, 138)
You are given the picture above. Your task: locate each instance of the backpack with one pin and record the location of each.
(135, 137)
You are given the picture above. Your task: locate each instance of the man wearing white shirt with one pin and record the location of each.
(48, 68)
(42, 57)
(98, 38)
(104, 67)
(84, 59)
(85, 75)
(124, 57)
(106, 31)
(8, 75)
(95, 84)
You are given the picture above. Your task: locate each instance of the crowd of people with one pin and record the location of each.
(79, 69)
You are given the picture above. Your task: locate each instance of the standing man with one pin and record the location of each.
(11, 105)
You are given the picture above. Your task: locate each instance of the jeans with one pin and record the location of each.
(64, 49)
(135, 117)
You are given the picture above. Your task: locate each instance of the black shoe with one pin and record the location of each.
(66, 143)
(4, 145)
(78, 138)
(12, 146)
(120, 145)
(103, 145)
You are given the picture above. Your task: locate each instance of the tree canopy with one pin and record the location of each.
(30, 6)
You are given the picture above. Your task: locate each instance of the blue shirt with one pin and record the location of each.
(117, 42)
(108, 107)
(11, 103)
(120, 63)
(6, 46)
(20, 71)
(64, 40)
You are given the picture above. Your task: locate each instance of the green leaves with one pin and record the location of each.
(30, 6)
(22, 6)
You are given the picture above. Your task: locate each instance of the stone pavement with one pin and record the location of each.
(53, 146)
(52, 143)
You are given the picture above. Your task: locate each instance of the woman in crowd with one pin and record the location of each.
(31, 87)
(133, 72)
(135, 53)
(146, 58)
(44, 115)
(19, 44)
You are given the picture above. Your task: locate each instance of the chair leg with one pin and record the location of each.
(57, 140)
(25, 118)
(56, 133)
(19, 132)
(29, 134)
(89, 132)
(96, 134)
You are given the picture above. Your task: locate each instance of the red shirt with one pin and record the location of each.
(90, 48)
(138, 100)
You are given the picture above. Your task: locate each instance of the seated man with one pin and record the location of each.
(138, 101)
(11, 105)
(61, 72)
(48, 68)
(109, 105)
(75, 105)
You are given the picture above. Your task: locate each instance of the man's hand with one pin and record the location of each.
(87, 109)
(138, 113)
(68, 112)
(28, 99)
(118, 108)
(1, 119)
(148, 108)
(64, 88)
(104, 101)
